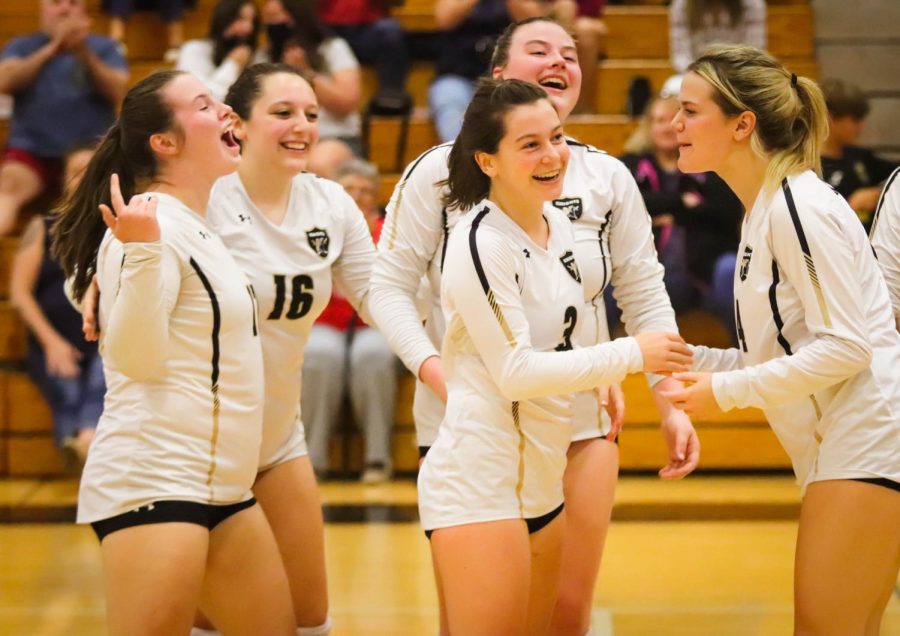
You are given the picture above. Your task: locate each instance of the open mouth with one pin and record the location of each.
(547, 177)
(554, 82)
(229, 140)
(295, 146)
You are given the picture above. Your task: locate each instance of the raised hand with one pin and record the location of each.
(664, 353)
(134, 223)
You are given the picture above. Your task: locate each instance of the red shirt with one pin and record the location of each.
(339, 313)
(347, 12)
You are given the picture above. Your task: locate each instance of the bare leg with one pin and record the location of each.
(289, 496)
(117, 29)
(848, 555)
(153, 576)
(589, 485)
(546, 558)
(245, 591)
(175, 34)
(485, 570)
(19, 184)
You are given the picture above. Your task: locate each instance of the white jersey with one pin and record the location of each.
(818, 351)
(885, 237)
(511, 361)
(291, 266)
(182, 418)
(614, 243)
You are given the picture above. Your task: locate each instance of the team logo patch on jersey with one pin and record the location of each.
(568, 261)
(318, 241)
(745, 262)
(572, 207)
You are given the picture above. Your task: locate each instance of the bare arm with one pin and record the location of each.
(18, 73)
(339, 92)
(448, 14)
(110, 82)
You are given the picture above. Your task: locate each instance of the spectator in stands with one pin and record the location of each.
(470, 28)
(232, 41)
(377, 40)
(66, 368)
(695, 24)
(582, 19)
(297, 37)
(171, 12)
(696, 218)
(66, 84)
(345, 355)
(858, 174)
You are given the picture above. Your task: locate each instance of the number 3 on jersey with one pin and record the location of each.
(571, 319)
(301, 297)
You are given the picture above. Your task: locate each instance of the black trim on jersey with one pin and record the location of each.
(603, 226)
(415, 163)
(214, 387)
(804, 245)
(587, 147)
(445, 228)
(739, 325)
(473, 248)
(776, 315)
(255, 304)
(884, 192)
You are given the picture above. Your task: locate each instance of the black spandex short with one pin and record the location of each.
(206, 515)
(880, 481)
(534, 524)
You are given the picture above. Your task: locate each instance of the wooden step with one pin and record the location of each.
(12, 334)
(27, 429)
(8, 247)
(607, 132)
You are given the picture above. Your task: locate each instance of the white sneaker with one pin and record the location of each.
(171, 56)
(375, 474)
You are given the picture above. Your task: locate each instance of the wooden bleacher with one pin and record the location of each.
(637, 45)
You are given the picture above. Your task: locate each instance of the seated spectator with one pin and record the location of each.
(232, 41)
(582, 18)
(66, 368)
(171, 12)
(696, 24)
(345, 355)
(377, 40)
(297, 37)
(469, 30)
(696, 218)
(66, 85)
(856, 173)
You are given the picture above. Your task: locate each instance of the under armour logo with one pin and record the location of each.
(204, 235)
(243, 218)
(527, 253)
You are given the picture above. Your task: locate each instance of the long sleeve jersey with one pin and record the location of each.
(183, 365)
(323, 240)
(885, 237)
(818, 351)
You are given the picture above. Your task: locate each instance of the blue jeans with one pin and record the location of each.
(382, 45)
(76, 403)
(448, 98)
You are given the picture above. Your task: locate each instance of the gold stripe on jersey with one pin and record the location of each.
(213, 440)
(820, 297)
(807, 252)
(498, 314)
(520, 480)
(818, 413)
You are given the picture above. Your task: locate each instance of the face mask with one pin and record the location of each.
(233, 42)
(278, 34)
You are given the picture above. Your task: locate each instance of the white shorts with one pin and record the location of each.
(293, 445)
(588, 419)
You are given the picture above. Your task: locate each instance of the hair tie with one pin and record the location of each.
(793, 80)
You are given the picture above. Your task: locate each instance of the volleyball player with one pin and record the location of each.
(490, 488)
(614, 243)
(294, 235)
(818, 349)
(167, 482)
(885, 237)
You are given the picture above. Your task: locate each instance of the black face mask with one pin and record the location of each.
(229, 44)
(278, 35)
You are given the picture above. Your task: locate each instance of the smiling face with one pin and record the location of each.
(544, 53)
(204, 137)
(55, 11)
(532, 156)
(282, 127)
(704, 133)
